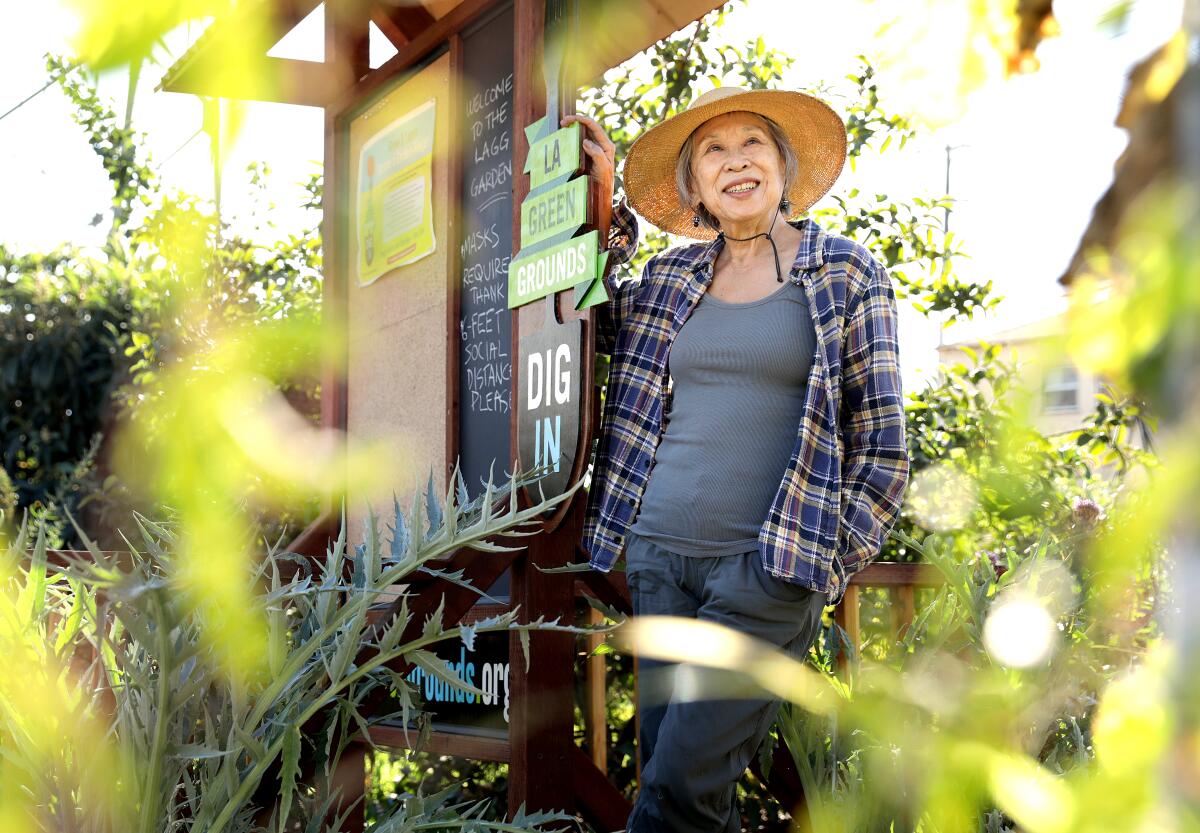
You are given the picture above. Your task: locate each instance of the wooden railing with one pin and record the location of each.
(901, 580)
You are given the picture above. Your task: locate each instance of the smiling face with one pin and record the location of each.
(737, 170)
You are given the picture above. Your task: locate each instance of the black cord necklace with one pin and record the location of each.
(771, 240)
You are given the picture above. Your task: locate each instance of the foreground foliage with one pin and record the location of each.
(125, 717)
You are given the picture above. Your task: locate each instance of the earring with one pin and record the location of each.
(785, 205)
(695, 221)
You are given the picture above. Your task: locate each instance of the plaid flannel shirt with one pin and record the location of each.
(844, 483)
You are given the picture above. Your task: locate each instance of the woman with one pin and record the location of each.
(752, 453)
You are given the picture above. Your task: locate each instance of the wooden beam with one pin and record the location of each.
(897, 574)
(595, 712)
(542, 708)
(278, 80)
(348, 39)
(541, 727)
(348, 782)
(334, 296)
(289, 13)
(637, 724)
(416, 34)
(314, 540)
(390, 30)
(601, 802)
(904, 608)
(402, 24)
(847, 616)
(265, 23)
(454, 224)
(412, 53)
(347, 56)
(444, 743)
(529, 104)
(609, 588)
(642, 23)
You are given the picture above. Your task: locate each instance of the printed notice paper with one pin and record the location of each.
(394, 206)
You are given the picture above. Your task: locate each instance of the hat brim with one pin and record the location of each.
(816, 132)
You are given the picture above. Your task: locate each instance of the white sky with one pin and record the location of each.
(1037, 151)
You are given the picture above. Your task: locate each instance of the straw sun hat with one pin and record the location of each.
(816, 133)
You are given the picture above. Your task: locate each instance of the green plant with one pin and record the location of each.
(60, 363)
(394, 776)
(92, 332)
(126, 719)
(8, 498)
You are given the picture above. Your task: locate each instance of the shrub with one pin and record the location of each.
(150, 733)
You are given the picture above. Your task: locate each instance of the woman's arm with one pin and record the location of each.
(622, 244)
(875, 461)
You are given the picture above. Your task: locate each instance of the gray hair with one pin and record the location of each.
(683, 171)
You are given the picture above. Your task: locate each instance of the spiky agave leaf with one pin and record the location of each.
(398, 546)
(523, 819)
(464, 499)
(610, 612)
(582, 567)
(432, 508)
(457, 578)
(433, 664)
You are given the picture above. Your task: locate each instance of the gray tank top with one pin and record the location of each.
(739, 373)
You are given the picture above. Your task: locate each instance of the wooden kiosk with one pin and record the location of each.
(424, 184)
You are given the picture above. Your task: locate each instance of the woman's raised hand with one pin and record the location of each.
(600, 150)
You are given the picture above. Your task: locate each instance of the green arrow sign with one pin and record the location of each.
(588, 294)
(562, 209)
(554, 269)
(555, 156)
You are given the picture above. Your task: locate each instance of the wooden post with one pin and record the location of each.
(454, 273)
(906, 608)
(346, 45)
(637, 723)
(595, 713)
(349, 780)
(542, 712)
(847, 618)
(542, 709)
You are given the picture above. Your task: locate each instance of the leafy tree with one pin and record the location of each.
(663, 81)
(91, 332)
(61, 361)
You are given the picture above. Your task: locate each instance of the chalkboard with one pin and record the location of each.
(485, 326)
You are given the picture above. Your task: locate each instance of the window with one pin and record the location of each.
(1060, 389)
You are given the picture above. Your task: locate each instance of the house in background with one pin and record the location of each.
(1068, 394)
(1065, 393)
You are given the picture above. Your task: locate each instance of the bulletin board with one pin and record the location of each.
(396, 316)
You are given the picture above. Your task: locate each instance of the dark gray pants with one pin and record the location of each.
(694, 753)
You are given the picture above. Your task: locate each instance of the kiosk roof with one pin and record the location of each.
(417, 26)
